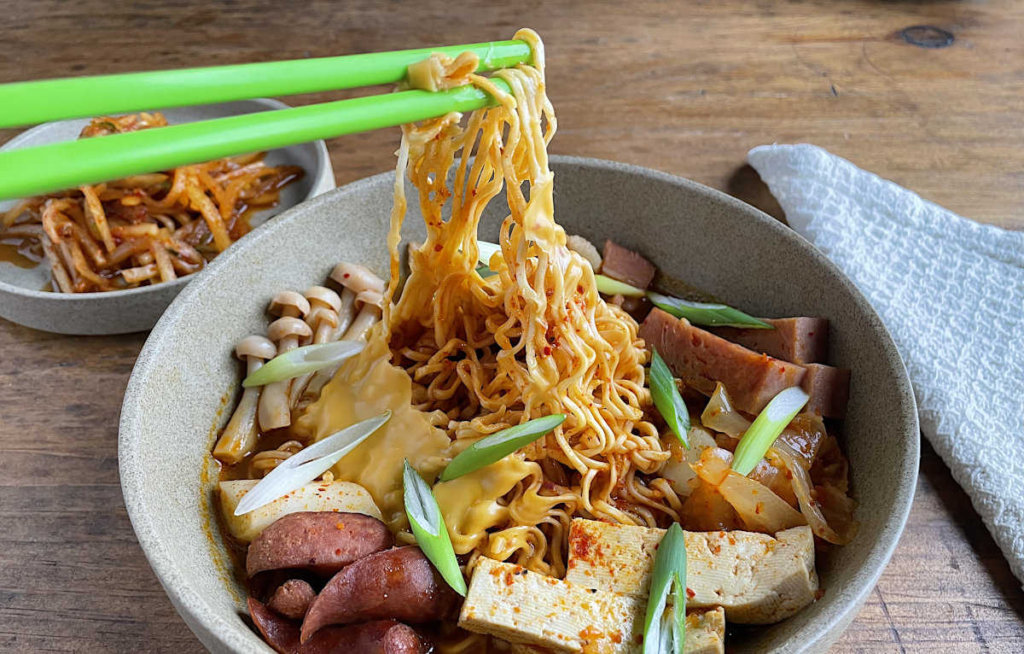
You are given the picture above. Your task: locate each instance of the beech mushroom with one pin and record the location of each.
(286, 331)
(358, 278)
(239, 436)
(323, 320)
(366, 291)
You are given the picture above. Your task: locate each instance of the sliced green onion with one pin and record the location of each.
(484, 271)
(610, 286)
(308, 463)
(485, 251)
(429, 529)
(498, 445)
(302, 360)
(668, 576)
(767, 427)
(702, 313)
(667, 398)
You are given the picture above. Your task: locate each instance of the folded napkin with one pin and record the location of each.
(951, 292)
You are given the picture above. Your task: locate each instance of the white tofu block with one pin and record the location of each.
(339, 496)
(756, 578)
(543, 614)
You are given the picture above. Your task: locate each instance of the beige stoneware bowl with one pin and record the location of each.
(22, 299)
(186, 373)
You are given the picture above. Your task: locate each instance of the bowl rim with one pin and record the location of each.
(323, 161)
(185, 599)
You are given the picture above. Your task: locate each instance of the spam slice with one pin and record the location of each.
(756, 578)
(797, 340)
(700, 358)
(337, 496)
(829, 389)
(626, 266)
(532, 611)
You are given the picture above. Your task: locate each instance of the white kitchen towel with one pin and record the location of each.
(951, 292)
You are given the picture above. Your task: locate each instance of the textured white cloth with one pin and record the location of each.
(951, 292)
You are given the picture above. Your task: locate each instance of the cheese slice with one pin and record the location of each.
(756, 578)
(340, 496)
(537, 613)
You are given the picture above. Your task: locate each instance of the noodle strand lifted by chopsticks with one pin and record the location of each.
(531, 340)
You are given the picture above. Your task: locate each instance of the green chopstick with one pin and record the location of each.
(32, 171)
(26, 103)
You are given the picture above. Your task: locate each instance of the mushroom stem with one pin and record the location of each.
(357, 331)
(239, 436)
(345, 314)
(275, 409)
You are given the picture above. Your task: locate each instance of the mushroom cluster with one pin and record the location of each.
(320, 315)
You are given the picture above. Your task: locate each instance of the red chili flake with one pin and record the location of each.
(579, 289)
(690, 593)
(346, 275)
(438, 247)
(547, 350)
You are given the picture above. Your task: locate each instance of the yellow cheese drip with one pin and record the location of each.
(364, 387)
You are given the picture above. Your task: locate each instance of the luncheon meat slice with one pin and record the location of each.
(377, 637)
(797, 340)
(626, 266)
(829, 389)
(398, 584)
(700, 358)
(319, 541)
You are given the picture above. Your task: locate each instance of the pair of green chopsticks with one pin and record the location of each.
(32, 171)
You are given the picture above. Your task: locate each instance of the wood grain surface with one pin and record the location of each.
(683, 87)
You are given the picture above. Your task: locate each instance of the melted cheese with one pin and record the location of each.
(366, 386)
(470, 503)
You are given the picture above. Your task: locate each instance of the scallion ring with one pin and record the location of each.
(498, 445)
(610, 286)
(668, 577)
(668, 400)
(302, 360)
(767, 427)
(308, 463)
(708, 315)
(429, 529)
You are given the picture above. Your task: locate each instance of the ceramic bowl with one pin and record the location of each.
(22, 299)
(185, 375)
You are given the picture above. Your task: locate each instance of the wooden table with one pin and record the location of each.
(687, 88)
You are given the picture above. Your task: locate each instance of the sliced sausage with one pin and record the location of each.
(292, 598)
(378, 637)
(797, 340)
(700, 358)
(626, 266)
(319, 541)
(829, 389)
(399, 583)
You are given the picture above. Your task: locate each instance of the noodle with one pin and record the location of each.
(532, 340)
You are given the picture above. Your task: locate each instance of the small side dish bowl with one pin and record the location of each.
(186, 375)
(22, 299)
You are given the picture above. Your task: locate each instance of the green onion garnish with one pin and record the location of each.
(767, 427)
(429, 529)
(610, 286)
(484, 271)
(669, 575)
(702, 313)
(667, 398)
(308, 463)
(498, 445)
(302, 360)
(485, 251)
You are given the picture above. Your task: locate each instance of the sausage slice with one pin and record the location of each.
(319, 541)
(292, 598)
(399, 583)
(378, 637)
